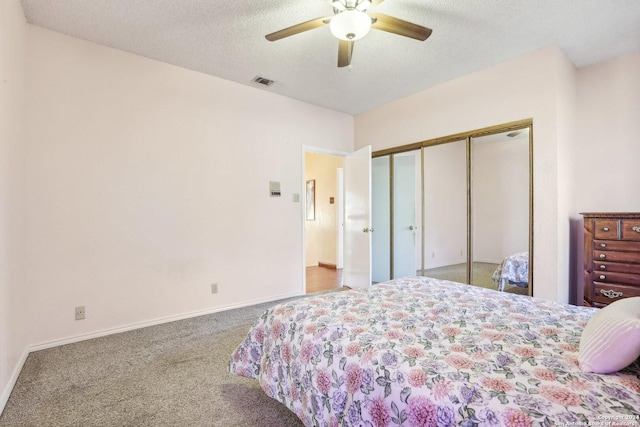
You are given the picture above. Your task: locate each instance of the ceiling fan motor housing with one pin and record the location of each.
(342, 5)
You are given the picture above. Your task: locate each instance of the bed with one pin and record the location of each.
(420, 351)
(513, 270)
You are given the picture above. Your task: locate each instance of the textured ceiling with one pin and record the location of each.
(226, 39)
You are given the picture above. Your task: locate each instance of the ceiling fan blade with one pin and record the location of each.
(398, 26)
(345, 50)
(299, 28)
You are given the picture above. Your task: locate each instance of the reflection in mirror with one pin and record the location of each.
(380, 219)
(406, 213)
(445, 211)
(500, 211)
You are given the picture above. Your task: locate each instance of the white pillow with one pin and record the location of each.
(611, 339)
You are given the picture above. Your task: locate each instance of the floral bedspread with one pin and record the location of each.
(514, 269)
(426, 352)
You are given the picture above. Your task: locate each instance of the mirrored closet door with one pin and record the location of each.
(396, 215)
(406, 214)
(500, 210)
(457, 208)
(445, 211)
(381, 219)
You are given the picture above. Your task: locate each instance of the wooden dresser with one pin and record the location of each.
(611, 257)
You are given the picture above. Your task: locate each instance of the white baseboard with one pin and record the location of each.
(4, 398)
(448, 263)
(158, 321)
(445, 263)
(488, 261)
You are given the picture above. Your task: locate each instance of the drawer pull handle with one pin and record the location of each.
(602, 277)
(603, 267)
(603, 245)
(611, 294)
(603, 256)
(605, 229)
(636, 229)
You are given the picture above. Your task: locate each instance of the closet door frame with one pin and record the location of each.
(468, 136)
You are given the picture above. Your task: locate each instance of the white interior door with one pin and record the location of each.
(404, 215)
(357, 219)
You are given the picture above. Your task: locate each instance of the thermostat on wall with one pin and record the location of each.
(274, 189)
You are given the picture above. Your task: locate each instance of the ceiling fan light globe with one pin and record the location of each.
(350, 25)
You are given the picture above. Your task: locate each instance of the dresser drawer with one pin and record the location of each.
(614, 277)
(611, 257)
(604, 267)
(606, 293)
(630, 257)
(617, 245)
(630, 229)
(606, 228)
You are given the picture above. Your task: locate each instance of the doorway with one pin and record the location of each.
(323, 221)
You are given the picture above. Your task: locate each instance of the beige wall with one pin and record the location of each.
(147, 184)
(13, 336)
(566, 111)
(606, 153)
(321, 234)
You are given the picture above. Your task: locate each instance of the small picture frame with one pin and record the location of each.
(311, 200)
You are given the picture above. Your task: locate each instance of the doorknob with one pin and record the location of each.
(367, 230)
(411, 227)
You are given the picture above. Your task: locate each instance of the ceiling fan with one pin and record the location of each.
(351, 22)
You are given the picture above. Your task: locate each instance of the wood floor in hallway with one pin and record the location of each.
(323, 279)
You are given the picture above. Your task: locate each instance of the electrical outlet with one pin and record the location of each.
(80, 312)
(214, 288)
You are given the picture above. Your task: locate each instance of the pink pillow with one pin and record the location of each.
(611, 339)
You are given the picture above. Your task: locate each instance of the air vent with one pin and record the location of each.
(263, 81)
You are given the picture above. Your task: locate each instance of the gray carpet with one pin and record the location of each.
(173, 374)
(482, 276)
